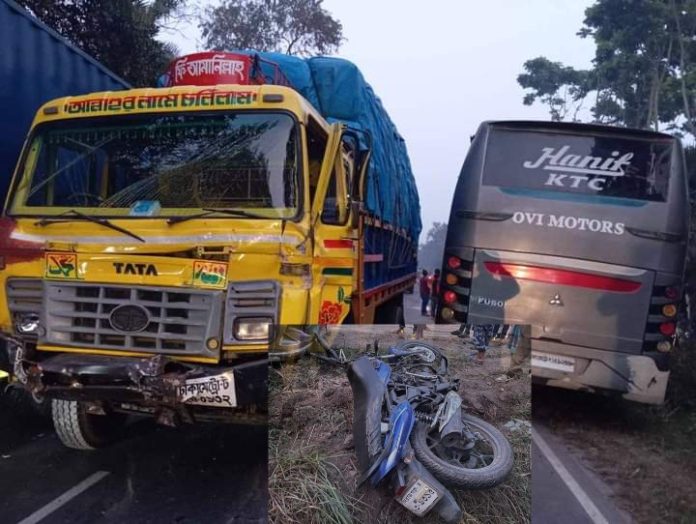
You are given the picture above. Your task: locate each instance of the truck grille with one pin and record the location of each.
(177, 320)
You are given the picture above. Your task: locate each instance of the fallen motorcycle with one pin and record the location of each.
(411, 434)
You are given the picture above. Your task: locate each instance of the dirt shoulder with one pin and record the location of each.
(312, 465)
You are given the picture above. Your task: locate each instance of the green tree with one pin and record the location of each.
(121, 34)
(299, 27)
(430, 252)
(643, 73)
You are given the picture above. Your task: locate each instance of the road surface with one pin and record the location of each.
(412, 313)
(208, 473)
(563, 488)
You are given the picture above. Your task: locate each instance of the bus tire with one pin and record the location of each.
(78, 429)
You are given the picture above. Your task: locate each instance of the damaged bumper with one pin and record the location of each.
(635, 377)
(153, 382)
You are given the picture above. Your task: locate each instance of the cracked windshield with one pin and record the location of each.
(172, 163)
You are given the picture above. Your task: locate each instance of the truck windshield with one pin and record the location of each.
(162, 165)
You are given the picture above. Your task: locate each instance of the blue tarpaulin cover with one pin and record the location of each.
(338, 90)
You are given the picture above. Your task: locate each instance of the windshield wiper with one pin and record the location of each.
(74, 214)
(207, 211)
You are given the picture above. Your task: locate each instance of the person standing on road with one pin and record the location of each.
(424, 285)
(434, 292)
(482, 337)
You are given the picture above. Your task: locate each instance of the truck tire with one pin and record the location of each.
(391, 312)
(78, 429)
(450, 474)
(26, 406)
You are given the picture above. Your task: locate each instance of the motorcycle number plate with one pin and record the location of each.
(419, 498)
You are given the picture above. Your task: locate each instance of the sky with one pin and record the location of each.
(442, 67)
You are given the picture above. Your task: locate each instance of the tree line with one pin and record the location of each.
(643, 74)
(122, 34)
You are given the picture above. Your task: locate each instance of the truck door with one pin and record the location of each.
(334, 248)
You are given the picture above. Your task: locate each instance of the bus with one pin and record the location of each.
(581, 232)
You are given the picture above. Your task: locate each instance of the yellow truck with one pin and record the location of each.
(154, 240)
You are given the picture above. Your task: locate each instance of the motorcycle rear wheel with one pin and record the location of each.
(493, 462)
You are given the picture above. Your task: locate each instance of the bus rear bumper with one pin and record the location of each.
(634, 377)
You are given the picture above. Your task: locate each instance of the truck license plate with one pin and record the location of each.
(419, 498)
(216, 390)
(551, 361)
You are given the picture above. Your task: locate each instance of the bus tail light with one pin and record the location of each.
(672, 293)
(454, 263)
(447, 313)
(449, 297)
(669, 310)
(664, 347)
(667, 328)
(562, 276)
(451, 279)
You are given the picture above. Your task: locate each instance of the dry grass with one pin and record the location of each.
(301, 487)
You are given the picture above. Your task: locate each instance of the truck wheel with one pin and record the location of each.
(391, 312)
(26, 406)
(78, 429)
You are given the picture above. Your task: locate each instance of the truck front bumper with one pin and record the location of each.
(155, 384)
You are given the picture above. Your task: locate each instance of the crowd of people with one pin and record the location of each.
(483, 334)
(480, 334)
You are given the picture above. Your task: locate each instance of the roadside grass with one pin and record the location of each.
(511, 501)
(301, 488)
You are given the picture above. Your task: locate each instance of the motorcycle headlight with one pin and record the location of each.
(257, 328)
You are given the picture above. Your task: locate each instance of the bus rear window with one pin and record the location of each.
(589, 165)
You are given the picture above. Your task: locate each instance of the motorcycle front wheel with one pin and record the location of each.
(486, 465)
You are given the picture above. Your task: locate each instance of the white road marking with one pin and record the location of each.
(63, 499)
(577, 491)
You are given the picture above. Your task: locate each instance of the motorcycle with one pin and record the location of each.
(411, 434)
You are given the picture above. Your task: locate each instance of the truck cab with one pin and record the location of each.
(153, 238)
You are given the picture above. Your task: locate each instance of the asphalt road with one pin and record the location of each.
(563, 488)
(412, 313)
(208, 473)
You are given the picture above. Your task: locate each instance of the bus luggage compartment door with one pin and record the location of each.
(570, 301)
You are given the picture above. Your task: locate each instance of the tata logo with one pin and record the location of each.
(571, 170)
(127, 268)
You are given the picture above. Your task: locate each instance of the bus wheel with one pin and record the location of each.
(78, 429)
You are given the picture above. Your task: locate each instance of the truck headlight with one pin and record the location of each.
(251, 307)
(28, 324)
(252, 328)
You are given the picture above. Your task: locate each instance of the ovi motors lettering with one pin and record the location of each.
(593, 225)
(579, 171)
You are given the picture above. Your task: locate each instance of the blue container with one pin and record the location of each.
(37, 65)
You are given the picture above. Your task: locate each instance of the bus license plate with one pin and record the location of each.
(551, 361)
(419, 498)
(216, 391)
